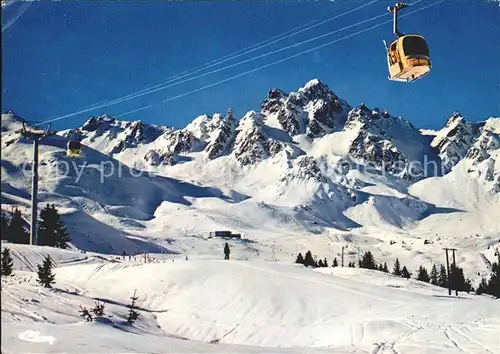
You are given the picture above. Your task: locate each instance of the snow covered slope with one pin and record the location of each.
(101, 200)
(207, 305)
(112, 136)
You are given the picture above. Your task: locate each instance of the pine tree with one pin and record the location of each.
(367, 261)
(380, 267)
(458, 280)
(309, 260)
(4, 223)
(405, 273)
(7, 263)
(46, 227)
(483, 287)
(443, 277)
(386, 270)
(335, 262)
(51, 230)
(98, 309)
(85, 313)
(397, 268)
(132, 314)
(352, 265)
(45, 276)
(454, 278)
(434, 276)
(299, 259)
(423, 275)
(325, 263)
(494, 281)
(16, 232)
(320, 263)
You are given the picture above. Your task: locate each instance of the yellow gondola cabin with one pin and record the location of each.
(408, 56)
(74, 148)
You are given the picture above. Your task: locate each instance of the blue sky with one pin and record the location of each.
(61, 56)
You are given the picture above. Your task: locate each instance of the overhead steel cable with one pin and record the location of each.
(161, 86)
(288, 58)
(250, 49)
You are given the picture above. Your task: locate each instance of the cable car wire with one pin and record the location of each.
(252, 70)
(286, 58)
(160, 86)
(208, 64)
(163, 86)
(250, 49)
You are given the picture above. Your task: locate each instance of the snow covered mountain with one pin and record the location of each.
(307, 170)
(111, 136)
(453, 141)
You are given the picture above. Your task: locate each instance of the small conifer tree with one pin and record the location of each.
(98, 309)
(405, 273)
(483, 286)
(45, 275)
(6, 263)
(423, 275)
(299, 259)
(397, 268)
(133, 314)
(16, 232)
(309, 260)
(51, 229)
(4, 224)
(443, 277)
(367, 261)
(434, 276)
(85, 313)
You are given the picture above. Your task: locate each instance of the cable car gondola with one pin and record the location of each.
(74, 148)
(408, 56)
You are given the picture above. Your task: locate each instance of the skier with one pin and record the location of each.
(226, 251)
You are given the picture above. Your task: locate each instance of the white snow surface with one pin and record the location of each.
(204, 305)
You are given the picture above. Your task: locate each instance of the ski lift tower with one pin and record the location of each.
(36, 135)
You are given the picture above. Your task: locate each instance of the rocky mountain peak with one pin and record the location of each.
(455, 118)
(306, 168)
(222, 136)
(313, 110)
(454, 140)
(275, 99)
(252, 143)
(101, 122)
(486, 142)
(315, 90)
